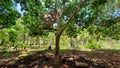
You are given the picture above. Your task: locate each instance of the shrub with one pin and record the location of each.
(93, 45)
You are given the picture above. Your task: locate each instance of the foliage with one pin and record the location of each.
(12, 35)
(94, 12)
(112, 31)
(8, 14)
(93, 45)
(4, 37)
(72, 30)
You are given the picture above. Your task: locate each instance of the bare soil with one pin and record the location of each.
(98, 58)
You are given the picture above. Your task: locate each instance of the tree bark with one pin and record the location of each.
(56, 63)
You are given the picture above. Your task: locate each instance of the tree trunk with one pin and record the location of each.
(72, 42)
(38, 41)
(56, 63)
(44, 43)
(24, 38)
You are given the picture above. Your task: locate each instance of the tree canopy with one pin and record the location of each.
(8, 14)
(97, 12)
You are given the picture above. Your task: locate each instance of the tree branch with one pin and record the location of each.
(74, 13)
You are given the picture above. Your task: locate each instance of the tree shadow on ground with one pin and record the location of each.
(97, 58)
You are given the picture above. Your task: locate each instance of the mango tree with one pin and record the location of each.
(44, 16)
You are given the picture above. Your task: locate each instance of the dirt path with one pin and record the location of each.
(83, 59)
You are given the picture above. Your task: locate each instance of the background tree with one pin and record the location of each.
(72, 31)
(8, 14)
(8, 17)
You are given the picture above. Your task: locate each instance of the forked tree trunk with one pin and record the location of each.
(60, 31)
(56, 63)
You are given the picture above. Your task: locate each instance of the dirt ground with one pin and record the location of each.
(98, 58)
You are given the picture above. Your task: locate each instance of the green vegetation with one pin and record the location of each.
(61, 24)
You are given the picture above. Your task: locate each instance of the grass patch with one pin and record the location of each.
(6, 54)
(23, 55)
(117, 46)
